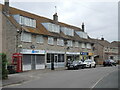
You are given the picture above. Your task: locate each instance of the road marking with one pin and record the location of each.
(101, 79)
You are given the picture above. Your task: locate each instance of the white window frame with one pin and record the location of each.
(39, 39)
(76, 44)
(50, 40)
(69, 43)
(60, 42)
(89, 46)
(26, 37)
(83, 45)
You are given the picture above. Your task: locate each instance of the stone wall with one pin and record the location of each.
(9, 37)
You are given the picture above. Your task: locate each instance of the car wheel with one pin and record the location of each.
(95, 66)
(83, 67)
(90, 66)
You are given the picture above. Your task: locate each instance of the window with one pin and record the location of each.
(51, 40)
(52, 27)
(69, 43)
(67, 31)
(83, 45)
(39, 39)
(60, 57)
(89, 46)
(82, 34)
(26, 37)
(76, 44)
(60, 42)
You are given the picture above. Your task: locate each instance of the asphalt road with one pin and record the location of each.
(99, 77)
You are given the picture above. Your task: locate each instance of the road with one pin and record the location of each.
(99, 77)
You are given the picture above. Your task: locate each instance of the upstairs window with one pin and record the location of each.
(60, 42)
(25, 20)
(82, 34)
(83, 45)
(26, 37)
(51, 40)
(67, 31)
(52, 27)
(76, 44)
(88, 46)
(69, 43)
(39, 39)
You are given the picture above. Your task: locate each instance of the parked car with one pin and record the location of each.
(109, 62)
(89, 63)
(11, 69)
(81, 64)
(75, 65)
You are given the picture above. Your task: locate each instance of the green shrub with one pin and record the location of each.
(4, 64)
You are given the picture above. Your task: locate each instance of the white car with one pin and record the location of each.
(89, 63)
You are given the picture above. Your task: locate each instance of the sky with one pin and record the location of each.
(99, 16)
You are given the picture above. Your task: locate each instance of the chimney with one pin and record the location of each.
(6, 6)
(83, 26)
(55, 17)
(102, 39)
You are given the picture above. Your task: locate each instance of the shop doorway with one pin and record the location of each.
(56, 61)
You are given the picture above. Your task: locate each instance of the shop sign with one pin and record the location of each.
(29, 51)
(74, 53)
(90, 54)
(83, 53)
(58, 52)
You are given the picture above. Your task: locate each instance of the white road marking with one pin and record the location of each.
(101, 79)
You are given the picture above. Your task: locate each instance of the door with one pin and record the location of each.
(33, 62)
(56, 61)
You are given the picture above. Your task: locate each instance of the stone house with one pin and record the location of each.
(41, 40)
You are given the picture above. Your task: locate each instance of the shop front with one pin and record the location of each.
(83, 55)
(86, 55)
(57, 57)
(33, 59)
(72, 56)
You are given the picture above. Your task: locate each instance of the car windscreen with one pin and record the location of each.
(75, 62)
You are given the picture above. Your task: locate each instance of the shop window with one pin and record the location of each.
(60, 57)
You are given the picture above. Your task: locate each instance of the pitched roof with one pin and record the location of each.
(40, 29)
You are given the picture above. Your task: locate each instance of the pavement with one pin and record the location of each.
(18, 78)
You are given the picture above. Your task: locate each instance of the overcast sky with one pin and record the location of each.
(100, 16)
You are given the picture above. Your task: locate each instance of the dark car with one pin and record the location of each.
(75, 65)
(109, 62)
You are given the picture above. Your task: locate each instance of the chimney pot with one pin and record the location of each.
(83, 26)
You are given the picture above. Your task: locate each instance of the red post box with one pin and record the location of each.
(17, 61)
